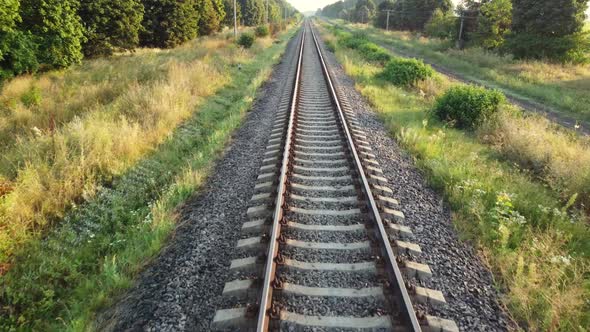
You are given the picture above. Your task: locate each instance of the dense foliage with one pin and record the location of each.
(168, 23)
(546, 29)
(56, 34)
(549, 29)
(57, 29)
(110, 25)
(494, 23)
(441, 25)
(17, 49)
(212, 13)
(467, 106)
(406, 72)
(374, 52)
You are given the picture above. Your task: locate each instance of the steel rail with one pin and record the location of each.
(395, 276)
(270, 269)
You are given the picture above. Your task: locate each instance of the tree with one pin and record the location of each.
(364, 11)
(333, 10)
(211, 14)
(442, 25)
(228, 5)
(381, 18)
(18, 50)
(414, 14)
(252, 12)
(168, 23)
(549, 29)
(495, 18)
(57, 29)
(110, 25)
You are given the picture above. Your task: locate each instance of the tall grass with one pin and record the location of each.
(559, 158)
(56, 159)
(95, 252)
(563, 87)
(536, 243)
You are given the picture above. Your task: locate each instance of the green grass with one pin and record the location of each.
(537, 245)
(60, 282)
(562, 87)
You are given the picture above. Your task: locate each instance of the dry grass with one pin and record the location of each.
(559, 158)
(63, 134)
(495, 181)
(545, 283)
(564, 87)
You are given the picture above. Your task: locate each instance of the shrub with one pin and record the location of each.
(277, 27)
(354, 41)
(373, 52)
(330, 45)
(246, 40)
(261, 31)
(406, 72)
(467, 106)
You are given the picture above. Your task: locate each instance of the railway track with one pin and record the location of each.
(324, 247)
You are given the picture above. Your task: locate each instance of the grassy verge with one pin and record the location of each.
(61, 281)
(536, 243)
(563, 87)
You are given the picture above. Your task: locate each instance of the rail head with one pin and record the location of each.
(270, 268)
(396, 278)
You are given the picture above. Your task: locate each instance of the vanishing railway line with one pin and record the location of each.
(325, 248)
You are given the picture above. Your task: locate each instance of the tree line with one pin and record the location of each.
(44, 34)
(527, 29)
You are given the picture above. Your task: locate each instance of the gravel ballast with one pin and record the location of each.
(181, 289)
(473, 302)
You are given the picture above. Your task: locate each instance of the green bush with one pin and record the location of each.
(31, 97)
(261, 31)
(246, 40)
(330, 46)
(353, 41)
(406, 72)
(373, 52)
(467, 106)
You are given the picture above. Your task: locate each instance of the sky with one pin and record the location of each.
(313, 5)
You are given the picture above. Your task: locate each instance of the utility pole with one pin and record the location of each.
(235, 21)
(387, 23)
(460, 39)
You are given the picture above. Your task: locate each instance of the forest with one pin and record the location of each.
(48, 34)
(527, 29)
